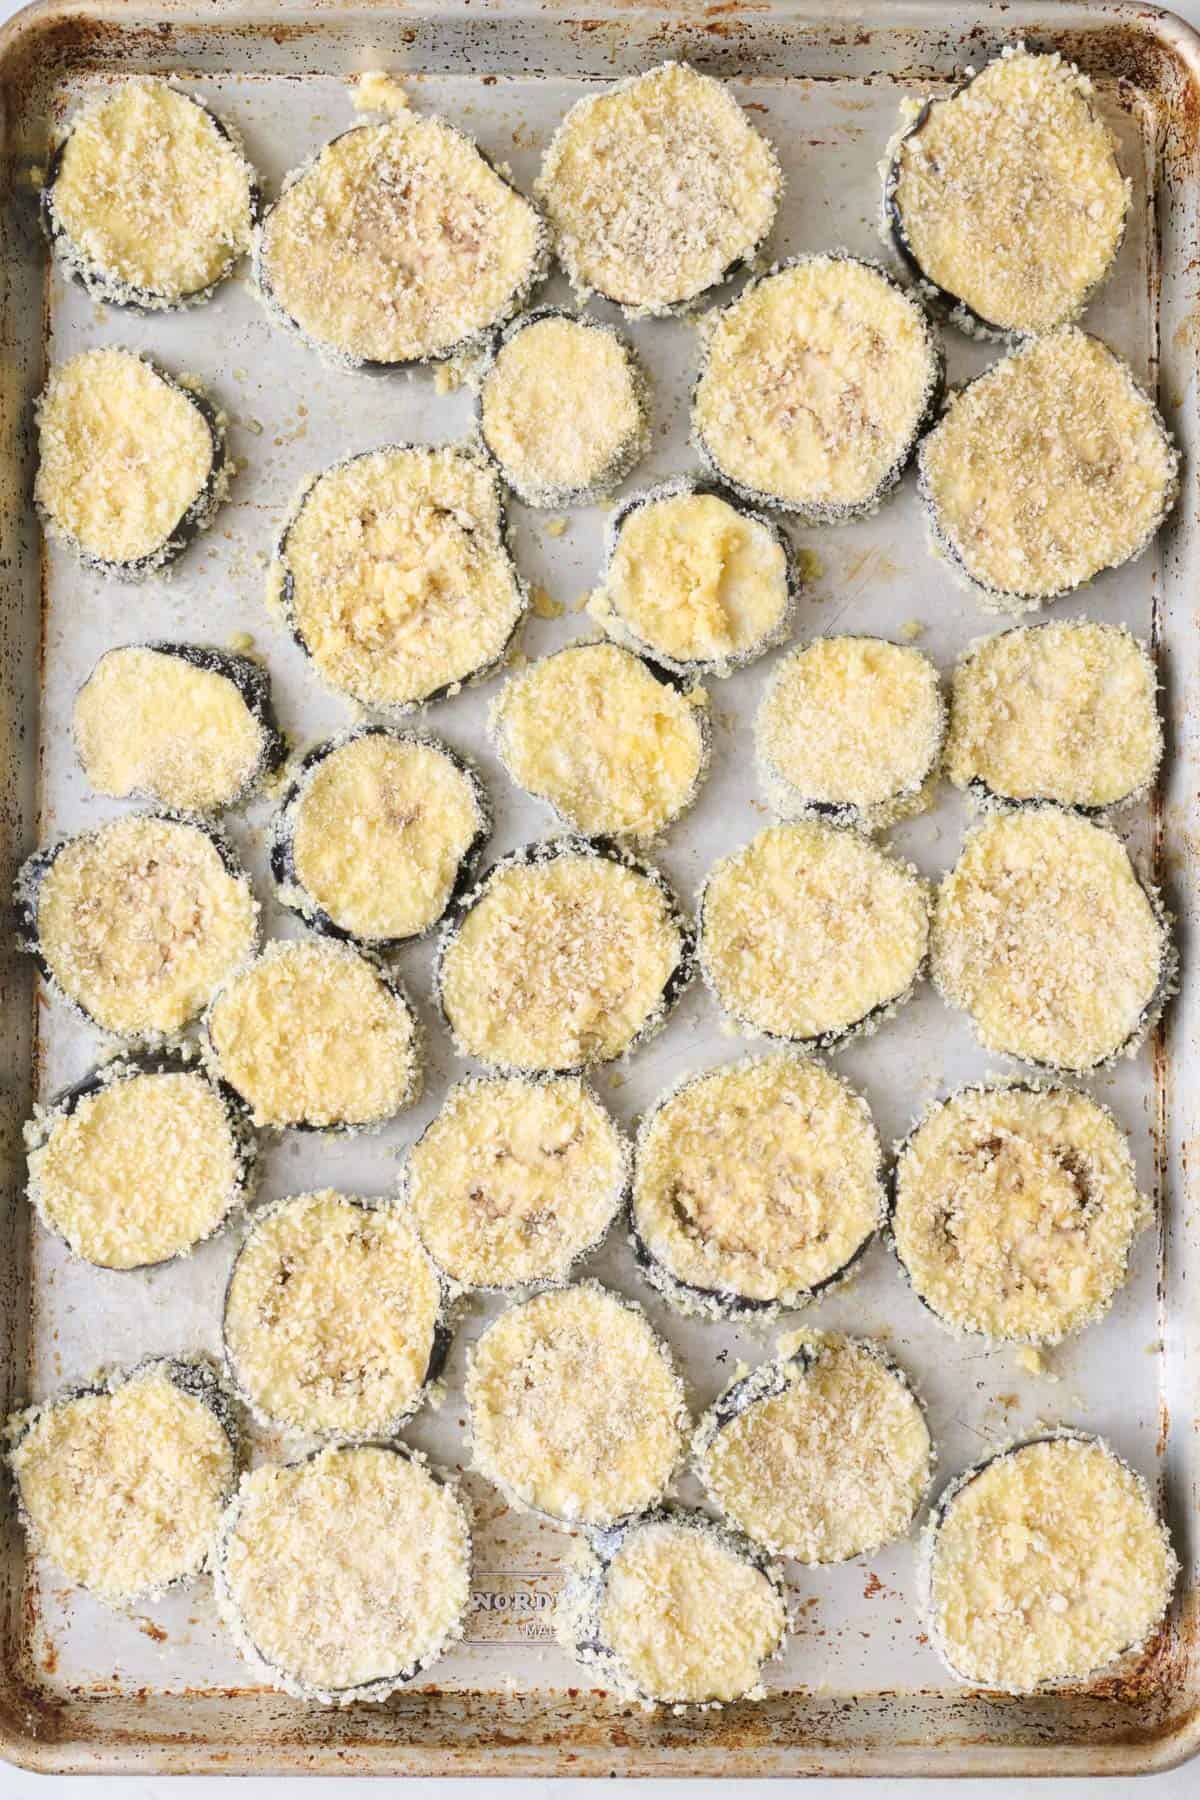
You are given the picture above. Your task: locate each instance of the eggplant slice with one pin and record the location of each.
(378, 833)
(1043, 1564)
(810, 934)
(395, 577)
(1063, 712)
(141, 1161)
(674, 1610)
(591, 730)
(1048, 468)
(657, 189)
(568, 953)
(138, 922)
(398, 243)
(345, 1575)
(850, 729)
(335, 1318)
(695, 580)
(1043, 934)
(317, 1036)
(1015, 1210)
(122, 1484)
(1005, 198)
(756, 1185)
(563, 408)
(190, 727)
(515, 1180)
(822, 1454)
(827, 447)
(149, 200)
(131, 463)
(577, 1411)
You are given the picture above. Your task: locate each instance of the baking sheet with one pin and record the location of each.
(858, 1644)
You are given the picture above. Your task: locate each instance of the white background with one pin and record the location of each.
(17, 1785)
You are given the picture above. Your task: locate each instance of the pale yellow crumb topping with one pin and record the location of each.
(851, 722)
(689, 1620)
(400, 580)
(310, 1034)
(138, 1171)
(761, 1179)
(330, 1317)
(124, 1489)
(575, 1407)
(561, 409)
(657, 187)
(1063, 712)
(1049, 467)
(617, 752)
(1015, 1211)
(379, 834)
(695, 580)
(398, 242)
(350, 1569)
(814, 383)
(559, 963)
(140, 922)
(833, 1466)
(1047, 1565)
(1010, 195)
(122, 454)
(150, 723)
(807, 930)
(150, 191)
(1044, 936)
(515, 1179)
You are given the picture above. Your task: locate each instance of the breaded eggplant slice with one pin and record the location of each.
(568, 953)
(149, 200)
(190, 727)
(1063, 712)
(1015, 1210)
(378, 833)
(657, 189)
(1005, 198)
(577, 1411)
(815, 384)
(131, 463)
(674, 1610)
(1043, 1564)
(695, 580)
(317, 1036)
(756, 1185)
(1044, 936)
(563, 408)
(398, 243)
(822, 1454)
(341, 1577)
(595, 733)
(810, 934)
(335, 1318)
(140, 1161)
(122, 1484)
(1046, 469)
(850, 729)
(394, 575)
(515, 1180)
(138, 922)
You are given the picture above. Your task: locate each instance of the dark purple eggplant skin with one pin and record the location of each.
(546, 850)
(113, 290)
(283, 867)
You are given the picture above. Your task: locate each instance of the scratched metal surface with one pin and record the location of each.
(859, 1688)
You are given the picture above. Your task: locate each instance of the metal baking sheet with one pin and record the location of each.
(860, 1691)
